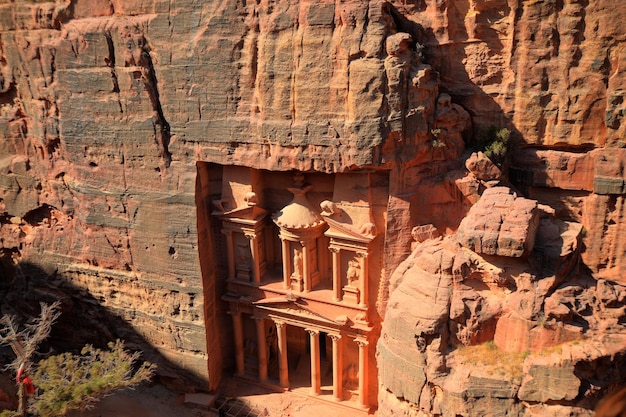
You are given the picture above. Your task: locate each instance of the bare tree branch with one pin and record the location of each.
(26, 341)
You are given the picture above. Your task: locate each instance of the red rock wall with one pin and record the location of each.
(106, 106)
(552, 70)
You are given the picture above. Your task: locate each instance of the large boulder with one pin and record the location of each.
(501, 223)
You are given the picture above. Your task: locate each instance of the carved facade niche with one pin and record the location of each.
(301, 231)
(245, 226)
(245, 243)
(351, 231)
(350, 264)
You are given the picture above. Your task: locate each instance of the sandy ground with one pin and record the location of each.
(235, 398)
(144, 401)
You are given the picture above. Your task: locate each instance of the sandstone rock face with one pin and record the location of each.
(553, 69)
(497, 333)
(116, 115)
(500, 224)
(106, 107)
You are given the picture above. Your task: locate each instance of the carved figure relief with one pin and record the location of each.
(272, 344)
(351, 377)
(329, 208)
(243, 262)
(353, 274)
(297, 264)
(250, 198)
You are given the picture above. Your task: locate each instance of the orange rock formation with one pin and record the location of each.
(293, 192)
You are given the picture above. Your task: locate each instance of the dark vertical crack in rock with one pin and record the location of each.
(110, 62)
(162, 127)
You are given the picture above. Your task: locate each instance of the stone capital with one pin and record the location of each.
(335, 337)
(312, 332)
(361, 342)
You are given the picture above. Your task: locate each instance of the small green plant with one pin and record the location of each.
(436, 142)
(495, 143)
(75, 382)
(67, 381)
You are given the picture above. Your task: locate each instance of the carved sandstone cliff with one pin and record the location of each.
(115, 114)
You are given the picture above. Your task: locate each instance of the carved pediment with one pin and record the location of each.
(291, 304)
(341, 230)
(246, 215)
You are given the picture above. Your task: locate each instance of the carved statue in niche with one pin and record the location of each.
(243, 262)
(271, 340)
(249, 347)
(297, 264)
(351, 377)
(353, 274)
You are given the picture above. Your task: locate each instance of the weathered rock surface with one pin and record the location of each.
(495, 334)
(500, 224)
(107, 106)
(586, 187)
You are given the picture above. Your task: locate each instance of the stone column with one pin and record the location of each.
(306, 270)
(286, 263)
(337, 367)
(261, 348)
(230, 249)
(283, 364)
(315, 361)
(362, 256)
(256, 262)
(238, 333)
(337, 288)
(363, 376)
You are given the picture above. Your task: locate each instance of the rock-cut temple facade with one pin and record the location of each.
(300, 265)
(343, 198)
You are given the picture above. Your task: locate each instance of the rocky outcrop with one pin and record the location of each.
(497, 333)
(500, 224)
(585, 187)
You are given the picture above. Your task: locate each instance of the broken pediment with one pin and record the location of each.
(340, 230)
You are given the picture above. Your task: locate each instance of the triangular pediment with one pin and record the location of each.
(289, 306)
